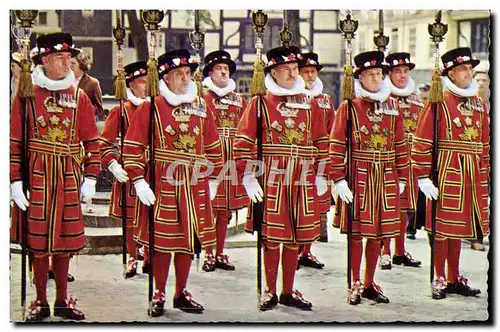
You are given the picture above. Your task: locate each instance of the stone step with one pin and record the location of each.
(101, 198)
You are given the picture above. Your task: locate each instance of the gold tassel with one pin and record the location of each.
(25, 87)
(436, 93)
(152, 82)
(258, 83)
(120, 85)
(197, 79)
(348, 83)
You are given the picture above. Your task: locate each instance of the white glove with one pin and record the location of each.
(118, 171)
(321, 185)
(402, 186)
(18, 195)
(428, 188)
(212, 186)
(344, 192)
(87, 190)
(146, 195)
(252, 187)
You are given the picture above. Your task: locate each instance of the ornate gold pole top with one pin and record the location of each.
(381, 40)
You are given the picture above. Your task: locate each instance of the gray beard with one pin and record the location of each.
(309, 84)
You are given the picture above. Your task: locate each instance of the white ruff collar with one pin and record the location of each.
(43, 81)
(175, 99)
(133, 99)
(381, 95)
(317, 88)
(275, 89)
(404, 92)
(221, 92)
(469, 91)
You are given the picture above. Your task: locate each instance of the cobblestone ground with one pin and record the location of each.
(104, 296)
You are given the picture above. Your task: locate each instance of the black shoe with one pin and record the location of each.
(157, 304)
(38, 311)
(355, 293)
(209, 263)
(310, 261)
(67, 310)
(71, 278)
(385, 262)
(374, 293)
(460, 287)
(406, 260)
(410, 236)
(145, 268)
(186, 303)
(323, 238)
(439, 289)
(222, 262)
(131, 268)
(295, 299)
(269, 301)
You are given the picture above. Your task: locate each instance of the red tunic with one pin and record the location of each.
(227, 112)
(56, 158)
(183, 142)
(463, 164)
(380, 162)
(325, 104)
(110, 132)
(411, 106)
(293, 139)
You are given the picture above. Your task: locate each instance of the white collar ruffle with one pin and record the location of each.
(275, 89)
(469, 91)
(404, 92)
(175, 99)
(133, 99)
(221, 92)
(40, 79)
(317, 88)
(381, 95)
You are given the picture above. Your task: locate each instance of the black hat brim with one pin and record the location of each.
(385, 69)
(409, 64)
(231, 64)
(267, 70)
(318, 67)
(192, 65)
(473, 62)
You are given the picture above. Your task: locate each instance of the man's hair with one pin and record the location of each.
(83, 61)
(480, 72)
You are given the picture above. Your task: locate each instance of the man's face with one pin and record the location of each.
(138, 87)
(309, 74)
(75, 67)
(57, 65)
(15, 70)
(371, 79)
(461, 75)
(220, 75)
(399, 76)
(482, 80)
(178, 80)
(285, 75)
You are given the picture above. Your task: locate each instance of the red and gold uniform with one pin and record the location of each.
(379, 165)
(57, 164)
(186, 143)
(411, 106)
(463, 152)
(63, 163)
(295, 148)
(110, 132)
(227, 108)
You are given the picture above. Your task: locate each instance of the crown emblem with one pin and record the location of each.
(287, 112)
(180, 116)
(51, 105)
